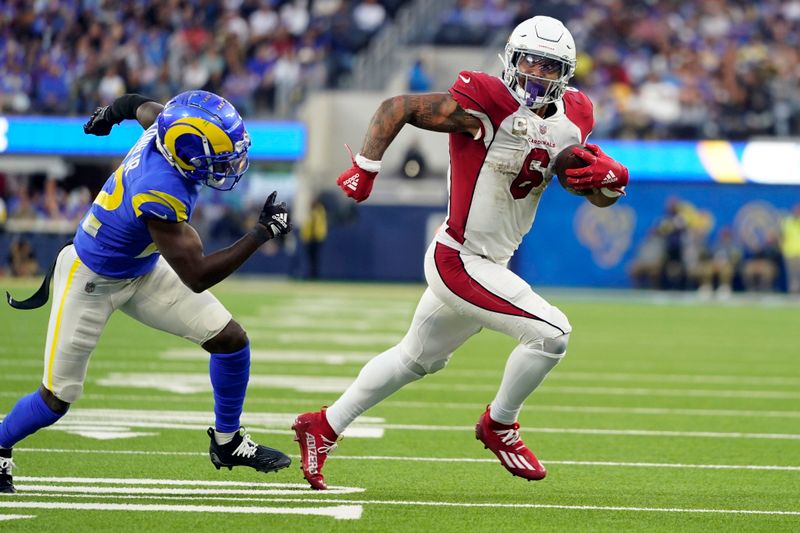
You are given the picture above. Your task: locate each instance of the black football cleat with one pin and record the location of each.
(6, 464)
(242, 451)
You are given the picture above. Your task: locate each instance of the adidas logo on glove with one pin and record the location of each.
(610, 177)
(352, 182)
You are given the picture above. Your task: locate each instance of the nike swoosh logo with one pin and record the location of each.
(163, 217)
(465, 79)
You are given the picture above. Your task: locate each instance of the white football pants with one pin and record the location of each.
(83, 302)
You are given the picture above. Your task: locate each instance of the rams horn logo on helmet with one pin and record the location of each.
(203, 137)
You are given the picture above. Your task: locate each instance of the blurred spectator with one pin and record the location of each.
(762, 265)
(414, 164)
(263, 21)
(419, 81)
(287, 76)
(77, 203)
(21, 259)
(295, 16)
(313, 233)
(696, 255)
(672, 228)
(726, 255)
(239, 88)
(195, 75)
(111, 86)
(648, 263)
(464, 24)
(369, 16)
(790, 247)
(720, 269)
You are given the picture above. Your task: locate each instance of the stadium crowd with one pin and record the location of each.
(69, 56)
(668, 69)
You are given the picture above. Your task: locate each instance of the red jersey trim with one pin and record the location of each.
(454, 274)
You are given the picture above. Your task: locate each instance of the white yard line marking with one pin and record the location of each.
(153, 490)
(478, 407)
(269, 322)
(374, 428)
(347, 511)
(627, 391)
(601, 377)
(554, 506)
(282, 356)
(190, 383)
(603, 431)
(350, 509)
(576, 463)
(339, 307)
(182, 383)
(678, 378)
(310, 337)
(588, 409)
(778, 468)
(108, 424)
(264, 488)
(340, 512)
(15, 516)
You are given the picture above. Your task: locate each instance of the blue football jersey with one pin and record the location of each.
(112, 239)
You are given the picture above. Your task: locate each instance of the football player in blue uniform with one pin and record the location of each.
(135, 251)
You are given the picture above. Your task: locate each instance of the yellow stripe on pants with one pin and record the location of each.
(71, 274)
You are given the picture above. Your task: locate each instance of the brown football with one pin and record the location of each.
(566, 160)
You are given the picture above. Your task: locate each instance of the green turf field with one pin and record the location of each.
(665, 416)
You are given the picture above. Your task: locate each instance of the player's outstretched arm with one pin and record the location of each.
(127, 106)
(433, 111)
(181, 247)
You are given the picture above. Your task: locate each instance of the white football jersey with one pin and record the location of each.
(495, 180)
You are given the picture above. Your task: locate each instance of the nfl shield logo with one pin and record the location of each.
(542, 129)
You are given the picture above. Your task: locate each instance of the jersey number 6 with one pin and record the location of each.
(532, 173)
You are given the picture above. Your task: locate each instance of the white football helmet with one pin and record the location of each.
(542, 41)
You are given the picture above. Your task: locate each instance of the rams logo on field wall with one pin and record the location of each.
(757, 221)
(606, 232)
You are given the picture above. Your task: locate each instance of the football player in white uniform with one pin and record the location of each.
(504, 135)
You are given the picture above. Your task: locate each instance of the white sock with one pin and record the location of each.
(223, 438)
(525, 370)
(380, 377)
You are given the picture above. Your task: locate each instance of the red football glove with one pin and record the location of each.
(601, 171)
(356, 182)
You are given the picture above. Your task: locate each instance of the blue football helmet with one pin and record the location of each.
(204, 138)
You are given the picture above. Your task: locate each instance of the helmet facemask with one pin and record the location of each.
(532, 90)
(223, 171)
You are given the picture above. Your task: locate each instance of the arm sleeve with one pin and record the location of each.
(124, 107)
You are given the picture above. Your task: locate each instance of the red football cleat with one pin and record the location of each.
(505, 443)
(317, 440)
